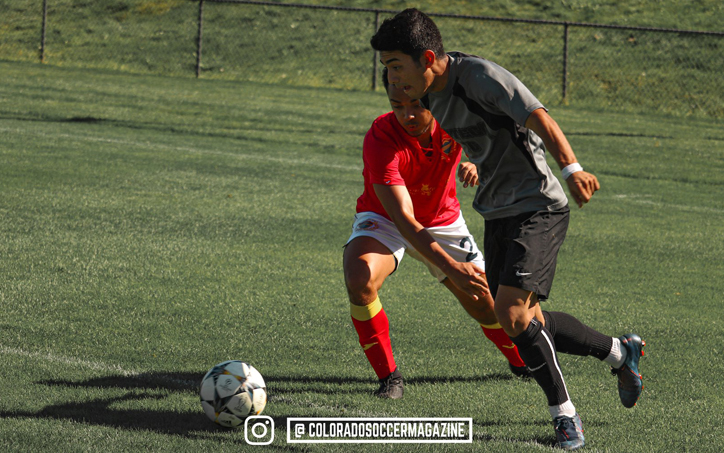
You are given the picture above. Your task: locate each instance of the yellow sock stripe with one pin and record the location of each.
(492, 326)
(366, 312)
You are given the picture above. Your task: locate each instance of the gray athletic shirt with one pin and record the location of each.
(484, 107)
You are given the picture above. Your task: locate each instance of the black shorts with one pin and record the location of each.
(522, 251)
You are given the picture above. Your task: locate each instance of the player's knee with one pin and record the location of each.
(360, 286)
(513, 322)
(507, 318)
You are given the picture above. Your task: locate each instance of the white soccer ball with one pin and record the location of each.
(231, 391)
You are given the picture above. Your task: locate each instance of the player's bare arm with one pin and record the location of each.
(581, 184)
(398, 205)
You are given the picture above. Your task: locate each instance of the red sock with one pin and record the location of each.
(497, 335)
(373, 329)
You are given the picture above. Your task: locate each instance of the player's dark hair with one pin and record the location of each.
(385, 80)
(411, 32)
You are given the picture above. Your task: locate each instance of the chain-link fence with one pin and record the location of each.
(599, 66)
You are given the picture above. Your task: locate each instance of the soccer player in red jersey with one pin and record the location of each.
(409, 204)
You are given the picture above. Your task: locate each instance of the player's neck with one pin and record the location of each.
(425, 140)
(440, 70)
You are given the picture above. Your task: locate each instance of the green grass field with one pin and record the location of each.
(152, 227)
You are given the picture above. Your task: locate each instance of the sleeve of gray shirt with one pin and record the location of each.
(500, 91)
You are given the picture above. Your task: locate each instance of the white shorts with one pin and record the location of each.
(455, 239)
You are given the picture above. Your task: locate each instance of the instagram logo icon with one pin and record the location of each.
(259, 430)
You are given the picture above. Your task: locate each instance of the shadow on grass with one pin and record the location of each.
(100, 412)
(238, 133)
(170, 381)
(145, 387)
(284, 384)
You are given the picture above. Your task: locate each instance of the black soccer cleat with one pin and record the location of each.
(391, 387)
(522, 372)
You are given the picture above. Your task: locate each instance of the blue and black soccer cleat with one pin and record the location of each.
(629, 378)
(569, 432)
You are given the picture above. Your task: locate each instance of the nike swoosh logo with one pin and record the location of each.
(522, 274)
(509, 347)
(368, 345)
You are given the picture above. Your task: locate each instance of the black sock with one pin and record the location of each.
(574, 337)
(535, 347)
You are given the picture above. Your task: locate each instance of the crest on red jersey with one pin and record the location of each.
(447, 145)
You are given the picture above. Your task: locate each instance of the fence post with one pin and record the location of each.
(42, 35)
(199, 38)
(565, 63)
(374, 54)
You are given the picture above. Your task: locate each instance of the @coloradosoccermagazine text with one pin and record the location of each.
(379, 430)
(259, 430)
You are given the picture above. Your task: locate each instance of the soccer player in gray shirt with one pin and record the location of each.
(506, 131)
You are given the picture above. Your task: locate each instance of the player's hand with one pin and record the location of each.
(582, 185)
(470, 279)
(468, 174)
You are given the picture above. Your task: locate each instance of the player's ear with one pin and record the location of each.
(428, 58)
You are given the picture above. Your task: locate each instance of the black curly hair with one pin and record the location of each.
(411, 32)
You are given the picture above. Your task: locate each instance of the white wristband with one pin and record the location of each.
(570, 169)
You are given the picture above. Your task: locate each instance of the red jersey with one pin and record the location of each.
(394, 158)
